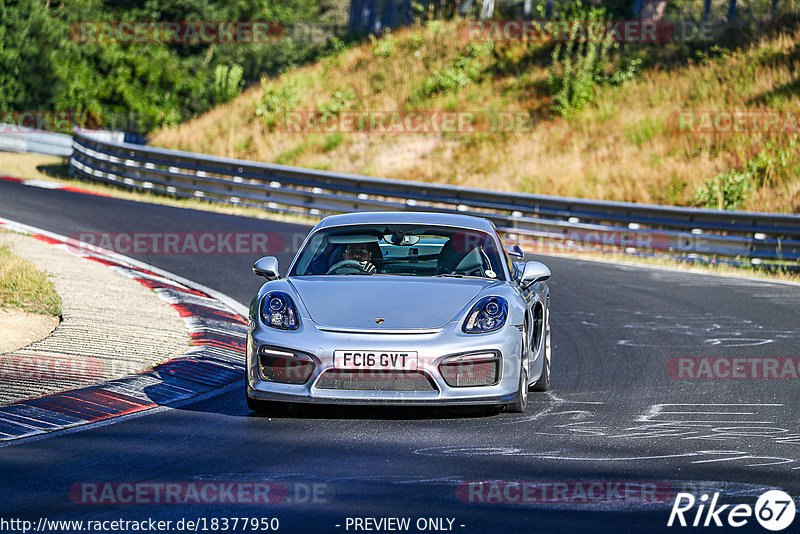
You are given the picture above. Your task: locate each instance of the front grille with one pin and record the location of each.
(376, 380)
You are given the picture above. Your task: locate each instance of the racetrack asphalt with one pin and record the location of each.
(614, 413)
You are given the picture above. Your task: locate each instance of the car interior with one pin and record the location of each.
(417, 252)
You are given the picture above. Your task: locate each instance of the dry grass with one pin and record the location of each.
(24, 287)
(28, 165)
(619, 148)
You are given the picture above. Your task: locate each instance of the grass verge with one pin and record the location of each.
(24, 287)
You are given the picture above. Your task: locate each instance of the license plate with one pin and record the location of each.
(384, 360)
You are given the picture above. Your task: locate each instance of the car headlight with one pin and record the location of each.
(278, 311)
(488, 315)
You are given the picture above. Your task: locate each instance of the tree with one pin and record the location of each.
(732, 11)
(487, 9)
(652, 9)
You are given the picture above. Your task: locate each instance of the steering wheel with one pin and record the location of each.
(467, 269)
(346, 267)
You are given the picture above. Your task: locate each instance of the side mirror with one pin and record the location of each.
(533, 272)
(267, 267)
(515, 252)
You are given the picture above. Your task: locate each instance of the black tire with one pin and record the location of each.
(521, 398)
(543, 384)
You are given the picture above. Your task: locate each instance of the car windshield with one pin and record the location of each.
(400, 250)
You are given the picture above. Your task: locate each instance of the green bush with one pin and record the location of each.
(579, 68)
(332, 141)
(727, 190)
(773, 165)
(384, 47)
(776, 164)
(227, 82)
(463, 71)
(340, 101)
(275, 101)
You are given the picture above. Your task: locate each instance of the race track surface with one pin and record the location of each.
(614, 413)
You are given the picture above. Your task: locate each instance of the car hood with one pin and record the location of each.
(404, 303)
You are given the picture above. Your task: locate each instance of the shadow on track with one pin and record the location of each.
(392, 413)
(233, 405)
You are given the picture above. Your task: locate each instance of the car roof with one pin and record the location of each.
(407, 217)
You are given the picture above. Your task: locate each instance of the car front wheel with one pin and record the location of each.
(543, 384)
(521, 398)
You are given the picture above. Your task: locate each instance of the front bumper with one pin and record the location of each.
(431, 348)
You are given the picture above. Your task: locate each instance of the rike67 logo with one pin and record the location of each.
(774, 510)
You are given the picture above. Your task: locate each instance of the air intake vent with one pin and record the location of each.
(376, 380)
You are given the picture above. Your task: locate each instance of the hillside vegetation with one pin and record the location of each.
(64, 57)
(617, 140)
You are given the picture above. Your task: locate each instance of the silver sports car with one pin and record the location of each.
(400, 308)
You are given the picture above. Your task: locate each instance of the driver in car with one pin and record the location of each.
(360, 253)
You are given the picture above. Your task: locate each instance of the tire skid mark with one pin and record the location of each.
(727, 424)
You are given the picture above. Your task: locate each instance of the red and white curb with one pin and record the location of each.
(216, 359)
(47, 184)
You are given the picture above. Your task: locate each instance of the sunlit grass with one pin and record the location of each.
(24, 287)
(620, 147)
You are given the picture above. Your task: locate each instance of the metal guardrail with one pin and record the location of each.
(19, 139)
(537, 219)
(14, 138)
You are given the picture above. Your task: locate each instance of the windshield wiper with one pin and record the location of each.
(450, 275)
